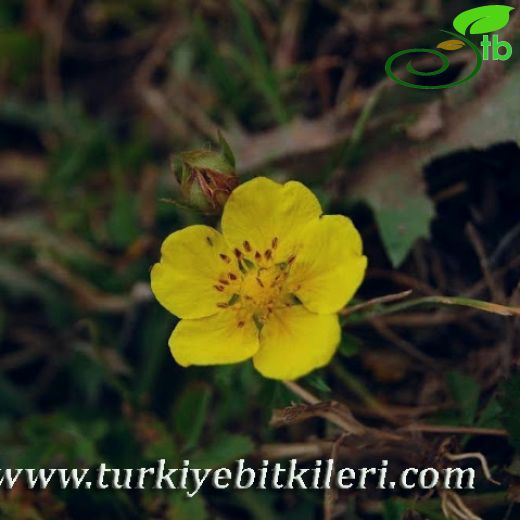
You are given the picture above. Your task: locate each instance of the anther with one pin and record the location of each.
(237, 252)
(260, 283)
(292, 258)
(268, 254)
(225, 258)
(232, 276)
(222, 305)
(209, 241)
(223, 282)
(219, 288)
(247, 246)
(258, 256)
(274, 243)
(240, 324)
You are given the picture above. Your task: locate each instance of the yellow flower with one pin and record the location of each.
(268, 287)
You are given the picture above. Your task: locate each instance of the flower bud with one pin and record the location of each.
(207, 178)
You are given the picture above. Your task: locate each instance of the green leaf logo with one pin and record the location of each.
(482, 20)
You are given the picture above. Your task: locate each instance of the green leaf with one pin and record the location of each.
(163, 445)
(318, 382)
(466, 392)
(350, 345)
(395, 191)
(224, 450)
(401, 224)
(193, 508)
(190, 413)
(59, 437)
(226, 149)
(19, 53)
(482, 20)
(490, 415)
(510, 402)
(122, 221)
(394, 509)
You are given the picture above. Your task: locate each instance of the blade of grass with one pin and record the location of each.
(223, 79)
(257, 65)
(493, 308)
(346, 151)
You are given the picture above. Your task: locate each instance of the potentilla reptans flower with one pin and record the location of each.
(268, 287)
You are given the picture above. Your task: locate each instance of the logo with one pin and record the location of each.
(478, 21)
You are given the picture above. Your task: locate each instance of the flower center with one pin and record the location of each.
(262, 289)
(256, 284)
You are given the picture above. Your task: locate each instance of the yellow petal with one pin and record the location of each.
(329, 266)
(187, 281)
(216, 340)
(261, 210)
(294, 341)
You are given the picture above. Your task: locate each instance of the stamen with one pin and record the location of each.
(268, 254)
(232, 276)
(209, 241)
(225, 258)
(222, 305)
(219, 288)
(248, 263)
(223, 282)
(258, 256)
(240, 324)
(247, 246)
(233, 299)
(292, 258)
(260, 283)
(274, 243)
(238, 253)
(258, 321)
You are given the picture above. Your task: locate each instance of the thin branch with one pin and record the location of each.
(331, 494)
(375, 301)
(463, 430)
(296, 389)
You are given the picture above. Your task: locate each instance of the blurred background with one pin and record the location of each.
(96, 96)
